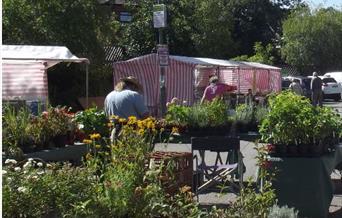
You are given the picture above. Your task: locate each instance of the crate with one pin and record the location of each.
(181, 171)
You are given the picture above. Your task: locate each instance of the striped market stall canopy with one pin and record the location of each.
(185, 75)
(24, 70)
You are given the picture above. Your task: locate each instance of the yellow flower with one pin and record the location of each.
(174, 130)
(97, 146)
(140, 124)
(110, 124)
(95, 136)
(132, 120)
(185, 189)
(88, 156)
(87, 141)
(114, 117)
(141, 132)
(122, 120)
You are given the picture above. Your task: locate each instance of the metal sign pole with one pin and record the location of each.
(159, 19)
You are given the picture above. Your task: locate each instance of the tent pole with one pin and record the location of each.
(87, 84)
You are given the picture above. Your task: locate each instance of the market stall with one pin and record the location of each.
(186, 77)
(24, 70)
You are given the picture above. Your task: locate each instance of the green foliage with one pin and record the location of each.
(14, 126)
(192, 26)
(282, 212)
(83, 26)
(253, 201)
(92, 120)
(177, 115)
(292, 120)
(31, 191)
(208, 114)
(312, 40)
(23, 130)
(262, 54)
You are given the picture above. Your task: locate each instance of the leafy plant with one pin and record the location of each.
(209, 114)
(14, 127)
(177, 115)
(292, 120)
(92, 120)
(282, 212)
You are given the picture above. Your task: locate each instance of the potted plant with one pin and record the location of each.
(209, 118)
(295, 127)
(92, 120)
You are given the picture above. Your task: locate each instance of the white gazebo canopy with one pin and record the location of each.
(20, 54)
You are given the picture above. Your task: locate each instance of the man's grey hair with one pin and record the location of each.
(314, 74)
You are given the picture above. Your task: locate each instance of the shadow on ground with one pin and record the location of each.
(336, 209)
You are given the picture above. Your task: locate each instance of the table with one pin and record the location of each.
(305, 183)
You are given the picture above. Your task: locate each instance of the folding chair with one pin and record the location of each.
(208, 174)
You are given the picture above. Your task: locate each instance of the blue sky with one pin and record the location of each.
(325, 3)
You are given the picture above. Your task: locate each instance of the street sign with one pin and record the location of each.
(163, 55)
(159, 16)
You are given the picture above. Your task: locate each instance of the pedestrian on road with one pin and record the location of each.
(126, 100)
(296, 87)
(316, 88)
(215, 89)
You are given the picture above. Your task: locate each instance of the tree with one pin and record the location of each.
(217, 28)
(83, 26)
(312, 40)
(262, 54)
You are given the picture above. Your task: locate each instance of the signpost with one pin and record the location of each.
(159, 22)
(159, 16)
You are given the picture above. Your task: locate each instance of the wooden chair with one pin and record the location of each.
(208, 174)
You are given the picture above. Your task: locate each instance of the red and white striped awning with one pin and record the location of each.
(25, 80)
(24, 69)
(184, 74)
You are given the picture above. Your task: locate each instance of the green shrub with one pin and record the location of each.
(92, 120)
(208, 114)
(14, 127)
(292, 120)
(282, 212)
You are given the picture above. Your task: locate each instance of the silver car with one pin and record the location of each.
(331, 89)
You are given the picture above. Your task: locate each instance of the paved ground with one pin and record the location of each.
(249, 160)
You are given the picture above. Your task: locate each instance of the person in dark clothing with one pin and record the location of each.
(316, 88)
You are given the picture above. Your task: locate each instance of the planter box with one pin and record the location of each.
(182, 170)
(71, 153)
(304, 183)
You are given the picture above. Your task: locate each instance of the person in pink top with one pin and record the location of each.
(215, 89)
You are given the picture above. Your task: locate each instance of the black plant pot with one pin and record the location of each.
(303, 150)
(292, 151)
(209, 131)
(60, 140)
(241, 127)
(280, 150)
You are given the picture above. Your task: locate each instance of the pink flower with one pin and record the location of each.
(270, 148)
(45, 114)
